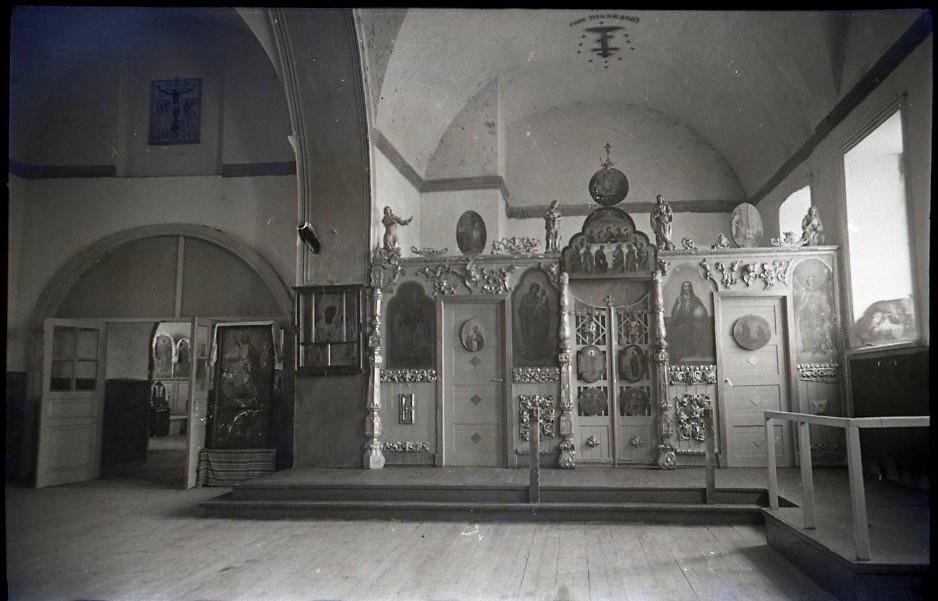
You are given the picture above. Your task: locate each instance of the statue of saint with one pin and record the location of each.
(661, 219)
(552, 226)
(812, 230)
(390, 222)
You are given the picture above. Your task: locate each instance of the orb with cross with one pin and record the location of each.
(608, 186)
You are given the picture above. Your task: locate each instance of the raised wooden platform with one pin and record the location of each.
(898, 568)
(585, 494)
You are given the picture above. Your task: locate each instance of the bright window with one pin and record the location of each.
(878, 236)
(793, 210)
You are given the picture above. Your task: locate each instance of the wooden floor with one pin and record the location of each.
(112, 540)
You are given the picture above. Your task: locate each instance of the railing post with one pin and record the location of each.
(861, 532)
(708, 467)
(770, 462)
(534, 453)
(807, 474)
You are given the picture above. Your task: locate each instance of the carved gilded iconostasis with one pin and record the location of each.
(623, 342)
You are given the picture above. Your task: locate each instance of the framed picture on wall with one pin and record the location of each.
(329, 330)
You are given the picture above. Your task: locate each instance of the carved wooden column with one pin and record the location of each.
(374, 456)
(567, 445)
(667, 458)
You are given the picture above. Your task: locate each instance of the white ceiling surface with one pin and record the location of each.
(751, 86)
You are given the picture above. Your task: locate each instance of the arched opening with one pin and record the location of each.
(142, 283)
(792, 211)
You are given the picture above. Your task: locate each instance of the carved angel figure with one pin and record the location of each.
(661, 219)
(390, 221)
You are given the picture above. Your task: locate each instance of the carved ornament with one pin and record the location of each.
(407, 446)
(818, 371)
(517, 246)
(547, 415)
(637, 441)
(689, 244)
(788, 240)
(689, 411)
(494, 280)
(385, 267)
(591, 442)
(475, 278)
(428, 252)
(667, 457)
(665, 426)
(692, 375)
(552, 271)
(771, 273)
(722, 242)
(408, 376)
(535, 375)
(567, 452)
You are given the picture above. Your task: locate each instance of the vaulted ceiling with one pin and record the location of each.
(697, 104)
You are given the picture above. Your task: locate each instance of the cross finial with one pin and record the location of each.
(607, 163)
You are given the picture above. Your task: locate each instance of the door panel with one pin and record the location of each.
(753, 381)
(72, 403)
(474, 386)
(199, 385)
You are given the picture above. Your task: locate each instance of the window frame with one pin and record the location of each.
(853, 347)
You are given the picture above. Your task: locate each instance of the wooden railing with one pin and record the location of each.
(852, 425)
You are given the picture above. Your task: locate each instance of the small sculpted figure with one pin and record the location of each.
(661, 219)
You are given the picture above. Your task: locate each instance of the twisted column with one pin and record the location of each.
(374, 456)
(567, 445)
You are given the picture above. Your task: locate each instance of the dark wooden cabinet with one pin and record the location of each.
(888, 384)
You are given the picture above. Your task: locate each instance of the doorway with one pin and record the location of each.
(752, 358)
(474, 383)
(614, 388)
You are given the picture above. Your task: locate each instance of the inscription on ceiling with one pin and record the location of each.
(603, 36)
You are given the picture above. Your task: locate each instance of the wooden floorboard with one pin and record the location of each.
(109, 542)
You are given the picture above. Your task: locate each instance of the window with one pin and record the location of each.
(792, 211)
(74, 359)
(880, 259)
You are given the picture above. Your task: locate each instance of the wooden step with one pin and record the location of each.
(491, 494)
(679, 513)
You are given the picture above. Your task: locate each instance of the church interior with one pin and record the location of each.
(468, 304)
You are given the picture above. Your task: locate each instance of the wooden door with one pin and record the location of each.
(72, 403)
(632, 368)
(199, 386)
(474, 384)
(753, 380)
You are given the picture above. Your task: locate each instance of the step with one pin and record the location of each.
(491, 494)
(683, 513)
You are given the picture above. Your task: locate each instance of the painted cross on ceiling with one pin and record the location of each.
(603, 37)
